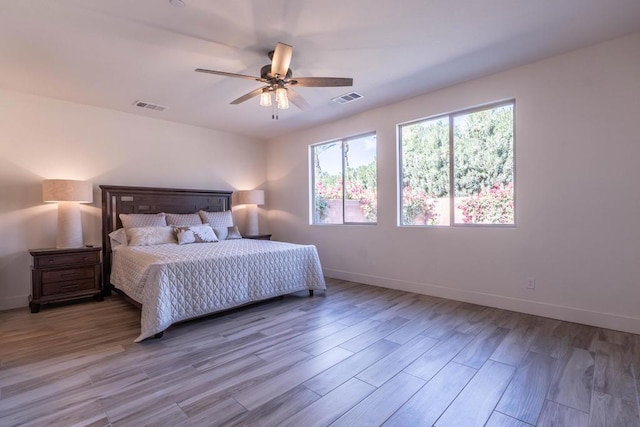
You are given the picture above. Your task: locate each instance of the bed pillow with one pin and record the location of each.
(202, 233)
(221, 232)
(118, 238)
(233, 233)
(147, 236)
(217, 219)
(143, 220)
(183, 220)
(227, 233)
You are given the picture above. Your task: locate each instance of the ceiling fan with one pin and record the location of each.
(280, 81)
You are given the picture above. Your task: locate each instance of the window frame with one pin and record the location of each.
(312, 179)
(450, 119)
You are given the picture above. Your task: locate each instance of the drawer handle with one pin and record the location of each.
(74, 273)
(51, 260)
(73, 286)
(85, 258)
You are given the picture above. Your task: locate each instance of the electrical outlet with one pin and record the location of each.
(531, 283)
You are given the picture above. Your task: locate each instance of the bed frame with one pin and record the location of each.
(122, 199)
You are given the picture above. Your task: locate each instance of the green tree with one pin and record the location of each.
(425, 157)
(483, 150)
(482, 156)
(365, 175)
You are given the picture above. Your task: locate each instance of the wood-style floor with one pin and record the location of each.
(358, 356)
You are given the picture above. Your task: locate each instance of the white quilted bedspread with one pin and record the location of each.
(178, 282)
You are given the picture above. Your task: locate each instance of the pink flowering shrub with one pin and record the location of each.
(367, 197)
(489, 207)
(417, 207)
(329, 192)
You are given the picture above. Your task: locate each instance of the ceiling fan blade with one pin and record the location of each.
(222, 73)
(321, 81)
(297, 100)
(248, 96)
(281, 59)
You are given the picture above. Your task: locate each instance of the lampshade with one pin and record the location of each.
(66, 190)
(68, 193)
(251, 197)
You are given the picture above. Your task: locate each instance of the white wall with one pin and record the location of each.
(577, 180)
(42, 138)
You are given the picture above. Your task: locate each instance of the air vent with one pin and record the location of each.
(149, 106)
(352, 96)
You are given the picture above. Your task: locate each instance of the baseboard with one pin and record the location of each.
(554, 311)
(14, 302)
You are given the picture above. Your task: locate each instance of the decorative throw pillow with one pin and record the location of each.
(227, 233)
(118, 238)
(233, 233)
(221, 232)
(146, 236)
(195, 234)
(183, 220)
(217, 219)
(143, 220)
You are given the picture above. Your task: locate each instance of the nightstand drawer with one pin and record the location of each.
(69, 286)
(64, 274)
(66, 259)
(69, 274)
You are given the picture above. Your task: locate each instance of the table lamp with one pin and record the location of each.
(251, 198)
(68, 194)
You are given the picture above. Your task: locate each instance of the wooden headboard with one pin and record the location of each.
(121, 199)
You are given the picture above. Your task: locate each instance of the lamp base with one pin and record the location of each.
(69, 226)
(252, 220)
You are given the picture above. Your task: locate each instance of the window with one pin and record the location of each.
(458, 168)
(344, 181)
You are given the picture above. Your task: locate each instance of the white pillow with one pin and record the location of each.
(217, 219)
(143, 220)
(195, 234)
(183, 220)
(146, 236)
(118, 238)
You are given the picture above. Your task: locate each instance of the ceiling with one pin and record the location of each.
(110, 53)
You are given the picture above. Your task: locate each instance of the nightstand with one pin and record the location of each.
(257, 236)
(64, 274)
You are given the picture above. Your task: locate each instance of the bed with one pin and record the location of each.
(171, 283)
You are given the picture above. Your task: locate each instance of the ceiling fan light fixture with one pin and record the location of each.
(265, 97)
(280, 92)
(283, 104)
(281, 98)
(277, 76)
